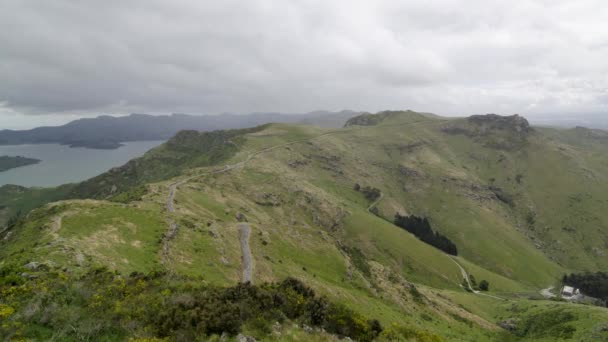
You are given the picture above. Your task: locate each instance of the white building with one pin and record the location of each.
(569, 292)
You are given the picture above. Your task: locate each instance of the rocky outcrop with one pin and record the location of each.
(365, 119)
(508, 324)
(494, 131)
(267, 199)
(513, 123)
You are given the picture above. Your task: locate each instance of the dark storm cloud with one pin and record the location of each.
(451, 57)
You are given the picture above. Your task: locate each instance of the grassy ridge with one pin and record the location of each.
(187, 149)
(491, 196)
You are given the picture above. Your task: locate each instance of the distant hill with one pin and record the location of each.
(107, 132)
(594, 120)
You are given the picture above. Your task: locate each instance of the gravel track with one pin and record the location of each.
(244, 231)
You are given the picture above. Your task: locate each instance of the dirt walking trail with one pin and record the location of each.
(173, 187)
(369, 209)
(170, 233)
(465, 275)
(244, 232)
(244, 229)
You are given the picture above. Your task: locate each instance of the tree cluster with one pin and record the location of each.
(421, 228)
(591, 284)
(370, 193)
(483, 285)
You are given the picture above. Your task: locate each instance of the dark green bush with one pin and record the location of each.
(103, 305)
(548, 324)
(358, 259)
(484, 285)
(371, 194)
(130, 195)
(345, 322)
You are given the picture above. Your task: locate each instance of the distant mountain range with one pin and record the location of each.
(590, 120)
(107, 132)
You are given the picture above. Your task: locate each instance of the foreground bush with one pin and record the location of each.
(102, 305)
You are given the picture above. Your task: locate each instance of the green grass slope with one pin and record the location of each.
(16, 201)
(185, 150)
(481, 181)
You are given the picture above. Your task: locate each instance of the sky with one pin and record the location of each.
(64, 59)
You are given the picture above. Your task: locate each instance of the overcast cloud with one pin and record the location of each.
(64, 58)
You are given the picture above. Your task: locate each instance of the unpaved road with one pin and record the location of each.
(170, 196)
(244, 231)
(369, 209)
(465, 275)
(173, 187)
(172, 231)
(547, 292)
(172, 225)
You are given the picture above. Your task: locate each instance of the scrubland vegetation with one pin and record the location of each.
(476, 188)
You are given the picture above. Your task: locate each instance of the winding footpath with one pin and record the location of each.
(173, 187)
(465, 275)
(244, 231)
(369, 209)
(170, 234)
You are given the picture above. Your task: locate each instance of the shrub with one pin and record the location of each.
(102, 305)
(316, 310)
(549, 324)
(531, 218)
(484, 285)
(6, 310)
(345, 322)
(359, 260)
(370, 193)
(418, 297)
(472, 280)
(130, 195)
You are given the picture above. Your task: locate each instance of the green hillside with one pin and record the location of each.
(11, 162)
(523, 205)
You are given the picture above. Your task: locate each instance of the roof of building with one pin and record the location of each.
(568, 289)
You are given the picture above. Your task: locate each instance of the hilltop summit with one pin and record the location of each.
(492, 130)
(513, 123)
